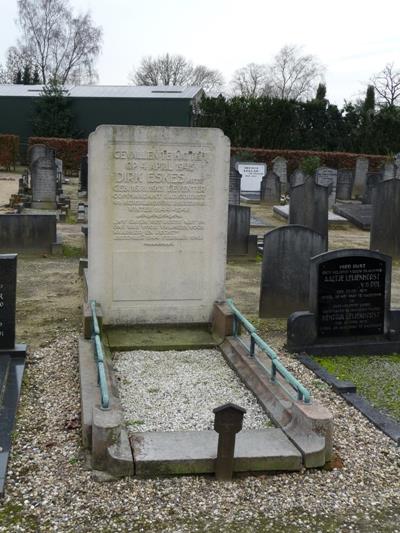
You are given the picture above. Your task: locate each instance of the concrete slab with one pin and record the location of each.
(333, 218)
(158, 337)
(194, 452)
(358, 214)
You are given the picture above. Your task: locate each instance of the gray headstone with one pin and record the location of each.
(328, 177)
(373, 178)
(39, 150)
(385, 226)
(344, 186)
(83, 174)
(397, 166)
(8, 285)
(44, 183)
(297, 178)
(286, 269)
(59, 165)
(279, 166)
(270, 189)
(27, 232)
(309, 207)
(234, 183)
(238, 230)
(389, 170)
(360, 177)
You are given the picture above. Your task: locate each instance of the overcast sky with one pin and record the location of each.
(352, 38)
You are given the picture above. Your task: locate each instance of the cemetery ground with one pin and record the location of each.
(50, 486)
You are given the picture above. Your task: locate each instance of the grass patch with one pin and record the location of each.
(71, 251)
(376, 377)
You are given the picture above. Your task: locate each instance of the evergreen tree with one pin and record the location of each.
(36, 78)
(26, 76)
(18, 77)
(53, 116)
(321, 92)
(369, 102)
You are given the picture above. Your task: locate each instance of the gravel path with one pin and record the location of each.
(50, 488)
(178, 390)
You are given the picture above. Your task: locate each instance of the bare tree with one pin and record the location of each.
(294, 76)
(251, 80)
(387, 85)
(62, 46)
(175, 70)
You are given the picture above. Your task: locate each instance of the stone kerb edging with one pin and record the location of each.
(308, 426)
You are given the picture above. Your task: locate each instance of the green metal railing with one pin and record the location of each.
(277, 367)
(99, 353)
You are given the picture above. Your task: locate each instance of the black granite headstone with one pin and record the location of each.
(351, 296)
(8, 284)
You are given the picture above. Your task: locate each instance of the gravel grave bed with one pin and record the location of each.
(178, 390)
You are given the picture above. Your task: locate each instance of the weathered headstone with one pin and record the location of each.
(344, 186)
(234, 183)
(385, 226)
(28, 233)
(227, 422)
(59, 166)
(158, 222)
(8, 286)
(328, 177)
(349, 306)
(270, 192)
(252, 174)
(373, 178)
(388, 170)
(309, 207)
(397, 166)
(286, 269)
(279, 166)
(44, 183)
(83, 174)
(39, 150)
(297, 178)
(360, 177)
(239, 239)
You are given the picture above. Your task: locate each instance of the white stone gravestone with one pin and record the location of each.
(157, 222)
(252, 174)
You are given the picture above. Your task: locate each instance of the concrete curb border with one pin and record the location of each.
(348, 391)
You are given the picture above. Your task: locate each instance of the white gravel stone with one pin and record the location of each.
(178, 390)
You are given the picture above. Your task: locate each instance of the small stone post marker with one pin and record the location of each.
(8, 284)
(228, 421)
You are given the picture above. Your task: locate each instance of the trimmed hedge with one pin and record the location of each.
(294, 157)
(72, 150)
(9, 150)
(69, 150)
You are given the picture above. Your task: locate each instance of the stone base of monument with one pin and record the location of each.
(302, 337)
(44, 205)
(12, 364)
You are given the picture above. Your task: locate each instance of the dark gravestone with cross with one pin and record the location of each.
(228, 421)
